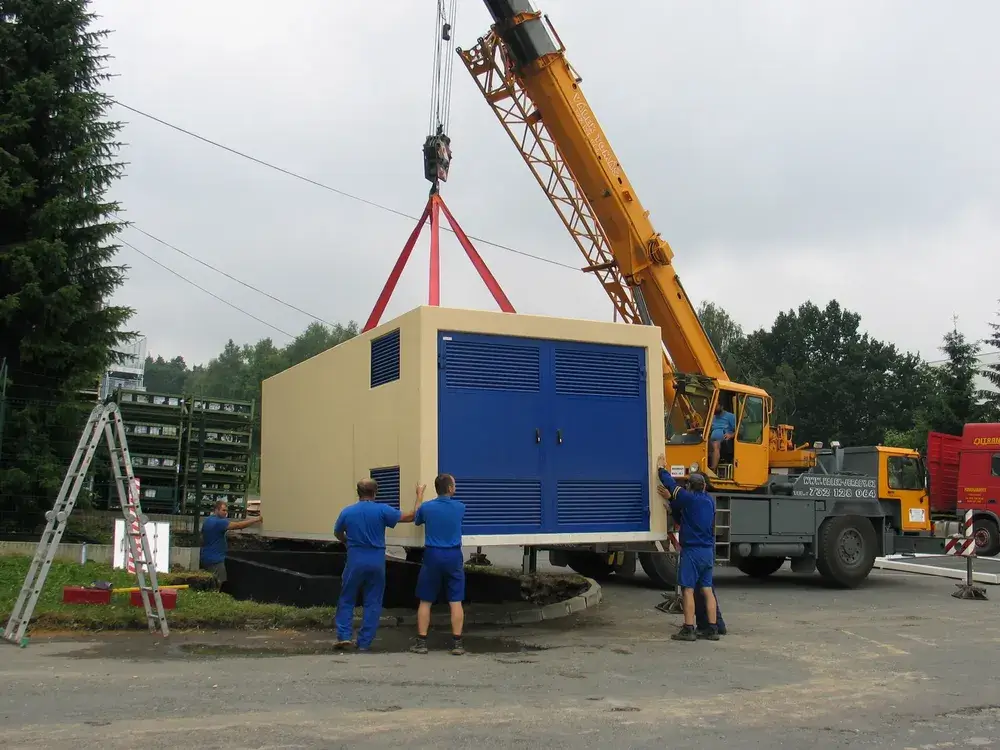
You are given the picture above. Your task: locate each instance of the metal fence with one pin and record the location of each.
(37, 441)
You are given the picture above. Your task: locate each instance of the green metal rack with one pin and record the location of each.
(189, 452)
(218, 450)
(155, 424)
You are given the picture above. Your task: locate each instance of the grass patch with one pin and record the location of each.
(197, 607)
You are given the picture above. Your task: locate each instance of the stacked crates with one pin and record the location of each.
(189, 452)
(154, 427)
(217, 464)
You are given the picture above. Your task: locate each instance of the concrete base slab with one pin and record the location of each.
(984, 570)
(515, 613)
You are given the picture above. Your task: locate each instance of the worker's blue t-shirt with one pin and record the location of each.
(365, 523)
(213, 540)
(442, 518)
(696, 511)
(723, 424)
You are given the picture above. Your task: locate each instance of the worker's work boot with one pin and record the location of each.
(456, 647)
(344, 645)
(711, 633)
(686, 633)
(420, 647)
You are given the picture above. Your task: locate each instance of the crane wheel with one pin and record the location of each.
(590, 564)
(847, 549)
(987, 536)
(660, 568)
(760, 567)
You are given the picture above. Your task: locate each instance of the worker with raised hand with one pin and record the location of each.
(697, 543)
(361, 527)
(443, 566)
(700, 611)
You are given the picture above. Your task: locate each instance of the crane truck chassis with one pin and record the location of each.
(827, 519)
(775, 500)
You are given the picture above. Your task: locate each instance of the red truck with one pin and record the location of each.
(965, 475)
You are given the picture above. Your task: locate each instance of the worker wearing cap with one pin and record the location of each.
(361, 527)
(700, 610)
(697, 543)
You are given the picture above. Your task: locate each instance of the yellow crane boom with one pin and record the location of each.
(522, 71)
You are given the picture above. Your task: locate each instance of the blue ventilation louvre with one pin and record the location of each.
(385, 359)
(388, 485)
(500, 505)
(588, 372)
(604, 505)
(491, 366)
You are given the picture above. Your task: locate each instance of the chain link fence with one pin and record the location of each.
(37, 441)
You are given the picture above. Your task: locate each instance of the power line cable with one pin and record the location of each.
(206, 291)
(331, 189)
(248, 285)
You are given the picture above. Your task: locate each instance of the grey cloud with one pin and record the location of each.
(787, 151)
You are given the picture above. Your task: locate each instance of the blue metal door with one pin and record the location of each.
(544, 436)
(490, 406)
(598, 458)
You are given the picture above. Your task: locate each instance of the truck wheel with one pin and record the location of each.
(987, 536)
(847, 546)
(660, 568)
(590, 565)
(760, 567)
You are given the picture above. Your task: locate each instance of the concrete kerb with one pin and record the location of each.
(504, 614)
(901, 565)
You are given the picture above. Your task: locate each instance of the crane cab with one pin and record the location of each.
(720, 429)
(902, 481)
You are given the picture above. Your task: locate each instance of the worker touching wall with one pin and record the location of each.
(697, 542)
(361, 527)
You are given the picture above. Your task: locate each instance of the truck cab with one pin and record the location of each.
(964, 476)
(902, 487)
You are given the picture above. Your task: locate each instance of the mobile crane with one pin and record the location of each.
(775, 500)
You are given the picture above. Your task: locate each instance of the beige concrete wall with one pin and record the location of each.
(323, 427)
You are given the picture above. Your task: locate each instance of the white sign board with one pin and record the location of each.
(158, 533)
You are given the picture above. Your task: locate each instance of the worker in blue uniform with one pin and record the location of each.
(723, 428)
(700, 610)
(443, 566)
(697, 543)
(361, 527)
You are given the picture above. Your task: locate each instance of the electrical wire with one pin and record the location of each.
(248, 285)
(331, 189)
(206, 291)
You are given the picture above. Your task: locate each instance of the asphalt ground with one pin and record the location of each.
(897, 663)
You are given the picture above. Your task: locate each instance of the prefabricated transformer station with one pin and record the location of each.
(550, 426)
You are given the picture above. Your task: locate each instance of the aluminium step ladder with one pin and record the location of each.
(105, 419)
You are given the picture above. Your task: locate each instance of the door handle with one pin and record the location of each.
(559, 437)
(538, 435)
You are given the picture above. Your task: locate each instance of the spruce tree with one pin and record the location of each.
(991, 396)
(956, 402)
(58, 158)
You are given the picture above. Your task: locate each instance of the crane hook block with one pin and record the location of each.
(437, 158)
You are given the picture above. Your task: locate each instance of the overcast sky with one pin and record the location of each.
(788, 151)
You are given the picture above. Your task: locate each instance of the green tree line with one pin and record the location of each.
(833, 381)
(828, 377)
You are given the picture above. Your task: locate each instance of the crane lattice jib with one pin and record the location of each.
(536, 94)
(491, 68)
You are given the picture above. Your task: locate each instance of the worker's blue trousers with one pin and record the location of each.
(701, 614)
(364, 573)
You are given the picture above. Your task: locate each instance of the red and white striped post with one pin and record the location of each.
(965, 546)
(134, 530)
